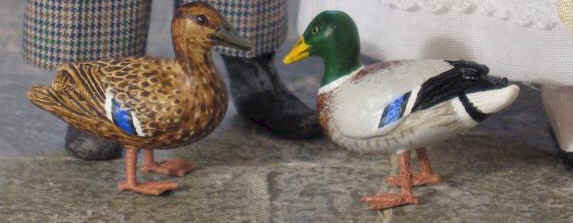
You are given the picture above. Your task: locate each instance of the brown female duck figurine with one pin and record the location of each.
(149, 103)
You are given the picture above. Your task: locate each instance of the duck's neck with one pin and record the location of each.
(199, 68)
(195, 60)
(339, 59)
(339, 64)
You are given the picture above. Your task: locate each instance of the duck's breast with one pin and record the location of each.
(205, 103)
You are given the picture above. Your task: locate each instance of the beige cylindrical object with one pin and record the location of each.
(558, 103)
(558, 100)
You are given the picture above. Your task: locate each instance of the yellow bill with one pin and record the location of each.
(299, 52)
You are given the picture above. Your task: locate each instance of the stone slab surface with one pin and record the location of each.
(503, 171)
(486, 179)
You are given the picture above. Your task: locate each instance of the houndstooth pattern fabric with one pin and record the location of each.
(60, 31)
(262, 22)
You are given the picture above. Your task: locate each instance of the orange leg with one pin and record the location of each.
(150, 188)
(425, 176)
(174, 167)
(405, 197)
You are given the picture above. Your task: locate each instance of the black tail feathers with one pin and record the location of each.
(466, 77)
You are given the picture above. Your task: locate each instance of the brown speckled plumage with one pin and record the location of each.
(322, 103)
(174, 107)
(176, 101)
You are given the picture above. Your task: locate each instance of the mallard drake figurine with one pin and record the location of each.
(395, 106)
(149, 103)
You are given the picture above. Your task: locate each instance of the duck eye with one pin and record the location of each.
(201, 19)
(315, 30)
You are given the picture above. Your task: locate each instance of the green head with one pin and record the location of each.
(333, 36)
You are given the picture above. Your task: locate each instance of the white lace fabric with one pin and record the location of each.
(541, 14)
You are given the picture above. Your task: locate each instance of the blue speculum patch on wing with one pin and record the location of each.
(122, 118)
(394, 111)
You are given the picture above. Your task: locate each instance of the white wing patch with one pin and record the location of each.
(413, 98)
(137, 125)
(108, 104)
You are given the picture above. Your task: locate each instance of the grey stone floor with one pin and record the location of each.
(505, 170)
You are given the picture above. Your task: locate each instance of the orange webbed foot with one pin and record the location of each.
(174, 167)
(149, 188)
(417, 180)
(426, 179)
(387, 200)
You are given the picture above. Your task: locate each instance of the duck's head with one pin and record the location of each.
(333, 36)
(198, 25)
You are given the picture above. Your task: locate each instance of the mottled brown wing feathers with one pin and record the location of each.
(150, 87)
(79, 86)
(76, 96)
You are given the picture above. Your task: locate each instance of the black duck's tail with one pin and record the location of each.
(466, 78)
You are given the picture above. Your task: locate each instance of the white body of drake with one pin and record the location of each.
(354, 109)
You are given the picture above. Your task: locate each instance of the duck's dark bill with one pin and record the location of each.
(227, 37)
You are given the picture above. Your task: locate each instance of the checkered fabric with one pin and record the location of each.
(60, 31)
(262, 22)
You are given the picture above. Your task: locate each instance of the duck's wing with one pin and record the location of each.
(115, 98)
(377, 100)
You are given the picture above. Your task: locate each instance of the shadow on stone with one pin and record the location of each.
(84, 145)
